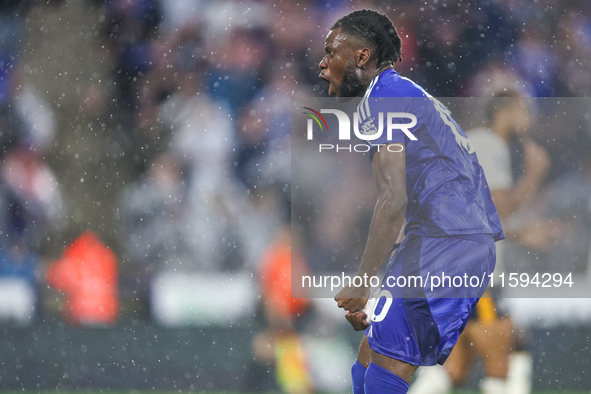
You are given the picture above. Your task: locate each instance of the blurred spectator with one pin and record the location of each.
(35, 113)
(12, 26)
(30, 187)
(87, 273)
(494, 77)
(197, 103)
(132, 24)
(253, 129)
(573, 48)
(152, 213)
(203, 132)
(35, 187)
(572, 210)
(280, 344)
(509, 120)
(451, 51)
(18, 262)
(19, 273)
(236, 66)
(535, 60)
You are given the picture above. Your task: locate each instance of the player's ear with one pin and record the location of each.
(362, 57)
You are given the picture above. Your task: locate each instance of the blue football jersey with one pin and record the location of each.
(447, 190)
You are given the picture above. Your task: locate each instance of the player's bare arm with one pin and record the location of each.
(389, 171)
(537, 162)
(536, 235)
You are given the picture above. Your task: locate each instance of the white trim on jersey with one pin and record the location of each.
(367, 111)
(417, 86)
(365, 102)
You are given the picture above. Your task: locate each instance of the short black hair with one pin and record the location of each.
(508, 98)
(376, 31)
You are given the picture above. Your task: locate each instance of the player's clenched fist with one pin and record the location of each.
(352, 299)
(358, 320)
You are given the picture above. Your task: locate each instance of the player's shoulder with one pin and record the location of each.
(391, 84)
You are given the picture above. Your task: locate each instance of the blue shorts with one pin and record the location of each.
(421, 324)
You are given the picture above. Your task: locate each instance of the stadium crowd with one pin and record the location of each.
(164, 126)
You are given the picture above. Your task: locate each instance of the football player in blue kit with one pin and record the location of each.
(432, 182)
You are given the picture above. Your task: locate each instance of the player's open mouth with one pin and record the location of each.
(329, 83)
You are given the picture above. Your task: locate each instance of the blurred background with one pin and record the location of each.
(145, 186)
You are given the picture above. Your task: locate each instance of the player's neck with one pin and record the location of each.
(373, 75)
(378, 71)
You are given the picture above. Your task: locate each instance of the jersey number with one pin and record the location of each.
(445, 115)
(384, 311)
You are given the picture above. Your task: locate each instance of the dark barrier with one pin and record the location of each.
(137, 356)
(142, 356)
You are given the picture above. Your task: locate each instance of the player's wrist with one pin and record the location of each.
(362, 280)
